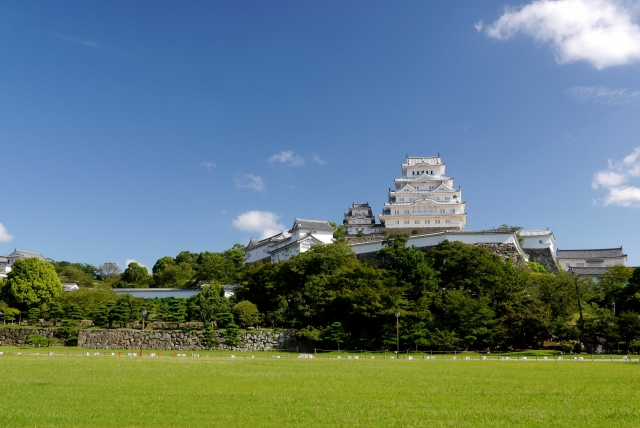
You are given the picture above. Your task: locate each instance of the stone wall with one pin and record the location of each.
(179, 340)
(251, 340)
(504, 251)
(17, 336)
(545, 257)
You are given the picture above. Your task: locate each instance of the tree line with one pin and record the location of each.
(453, 296)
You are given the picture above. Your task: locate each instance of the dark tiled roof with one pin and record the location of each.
(255, 243)
(580, 271)
(312, 225)
(591, 254)
(26, 254)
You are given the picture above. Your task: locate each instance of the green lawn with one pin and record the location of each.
(208, 391)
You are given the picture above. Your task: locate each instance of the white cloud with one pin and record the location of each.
(263, 222)
(615, 179)
(208, 165)
(625, 196)
(249, 181)
(604, 95)
(288, 158)
(4, 234)
(478, 26)
(317, 159)
(602, 32)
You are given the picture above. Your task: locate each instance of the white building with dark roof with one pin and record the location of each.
(590, 262)
(424, 199)
(360, 219)
(7, 261)
(304, 235)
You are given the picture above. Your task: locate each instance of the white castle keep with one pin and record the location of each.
(424, 199)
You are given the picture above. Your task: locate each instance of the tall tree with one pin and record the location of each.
(31, 283)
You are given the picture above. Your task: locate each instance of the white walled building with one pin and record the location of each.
(424, 199)
(537, 239)
(360, 218)
(591, 263)
(7, 261)
(303, 236)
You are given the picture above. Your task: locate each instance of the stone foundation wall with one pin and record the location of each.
(545, 257)
(17, 336)
(252, 340)
(504, 251)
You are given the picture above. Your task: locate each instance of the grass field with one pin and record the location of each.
(105, 391)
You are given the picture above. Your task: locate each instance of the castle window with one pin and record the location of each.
(448, 221)
(417, 221)
(406, 222)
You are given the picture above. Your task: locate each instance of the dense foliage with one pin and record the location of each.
(454, 296)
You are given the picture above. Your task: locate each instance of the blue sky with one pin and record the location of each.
(135, 130)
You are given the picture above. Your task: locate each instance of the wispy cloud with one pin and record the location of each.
(603, 33)
(288, 158)
(615, 179)
(77, 41)
(604, 95)
(264, 222)
(249, 181)
(478, 26)
(4, 234)
(208, 165)
(317, 159)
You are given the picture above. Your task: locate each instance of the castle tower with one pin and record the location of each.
(360, 219)
(424, 199)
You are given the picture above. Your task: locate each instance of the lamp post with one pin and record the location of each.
(398, 334)
(144, 315)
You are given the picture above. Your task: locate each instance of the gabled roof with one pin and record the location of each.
(354, 205)
(255, 243)
(304, 237)
(312, 225)
(423, 177)
(25, 255)
(442, 188)
(591, 254)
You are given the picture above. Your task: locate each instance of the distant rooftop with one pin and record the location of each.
(602, 253)
(535, 232)
(429, 160)
(25, 255)
(312, 225)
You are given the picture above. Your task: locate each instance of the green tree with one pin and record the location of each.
(209, 304)
(56, 313)
(335, 333)
(177, 311)
(629, 327)
(232, 335)
(75, 313)
(246, 314)
(168, 273)
(134, 276)
(613, 283)
(31, 283)
(33, 316)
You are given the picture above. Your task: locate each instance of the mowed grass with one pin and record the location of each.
(43, 391)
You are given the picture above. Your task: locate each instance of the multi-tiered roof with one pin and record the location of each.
(424, 198)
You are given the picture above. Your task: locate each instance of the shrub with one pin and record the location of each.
(38, 340)
(246, 314)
